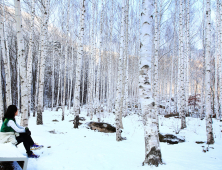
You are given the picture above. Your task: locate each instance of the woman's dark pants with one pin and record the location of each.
(27, 142)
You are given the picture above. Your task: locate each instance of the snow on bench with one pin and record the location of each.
(9, 152)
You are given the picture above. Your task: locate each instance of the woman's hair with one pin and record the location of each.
(10, 113)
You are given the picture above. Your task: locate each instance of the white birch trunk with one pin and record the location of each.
(53, 74)
(182, 71)
(209, 128)
(123, 67)
(94, 62)
(29, 62)
(126, 65)
(152, 147)
(66, 56)
(138, 66)
(90, 81)
(18, 87)
(178, 63)
(2, 50)
(78, 67)
(59, 83)
(157, 59)
(44, 44)
(172, 69)
(109, 98)
(156, 55)
(94, 79)
(217, 56)
(220, 59)
(37, 82)
(74, 72)
(98, 107)
(71, 75)
(68, 80)
(6, 61)
(103, 82)
(202, 110)
(61, 72)
(23, 70)
(118, 109)
(187, 53)
(184, 53)
(83, 82)
(171, 84)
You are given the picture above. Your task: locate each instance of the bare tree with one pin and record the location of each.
(181, 102)
(30, 54)
(2, 49)
(44, 44)
(78, 66)
(66, 56)
(23, 70)
(152, 147)
(118, 104)
(209, 128)
(5, 52)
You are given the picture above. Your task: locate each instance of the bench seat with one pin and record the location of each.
(9, 152)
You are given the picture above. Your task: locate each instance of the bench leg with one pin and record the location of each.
(25, 165)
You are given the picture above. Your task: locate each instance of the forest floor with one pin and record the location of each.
(84, 149)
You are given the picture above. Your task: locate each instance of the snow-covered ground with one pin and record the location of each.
(84, 149)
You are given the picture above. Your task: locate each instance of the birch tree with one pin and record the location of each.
(83, 83)
(172, 68)
(156, 53)
(23, 71)
(22, 63)
(182, 104)
(109, 98)
(98, 105)
(209, 128)
(126, 64)
(78, 67)
(152, 147)
(37, 82)
(94, 61)
(44, 30)
(29, 60)
(118, 103)
(66, 56)
(6, 60)
(59, 83)
(202, 109)
(138, 63)
(2, 49)
(53, 73)
(71, 76)
(217, 56)
(90, 88)
(187, 51)
(220, 57)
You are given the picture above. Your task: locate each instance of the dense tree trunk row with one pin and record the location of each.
(113, 57)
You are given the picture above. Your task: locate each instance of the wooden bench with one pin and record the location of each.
(9, 152)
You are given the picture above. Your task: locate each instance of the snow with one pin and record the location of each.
(85, 149)
(8, 149)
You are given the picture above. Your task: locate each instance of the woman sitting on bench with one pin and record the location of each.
(9, 125)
